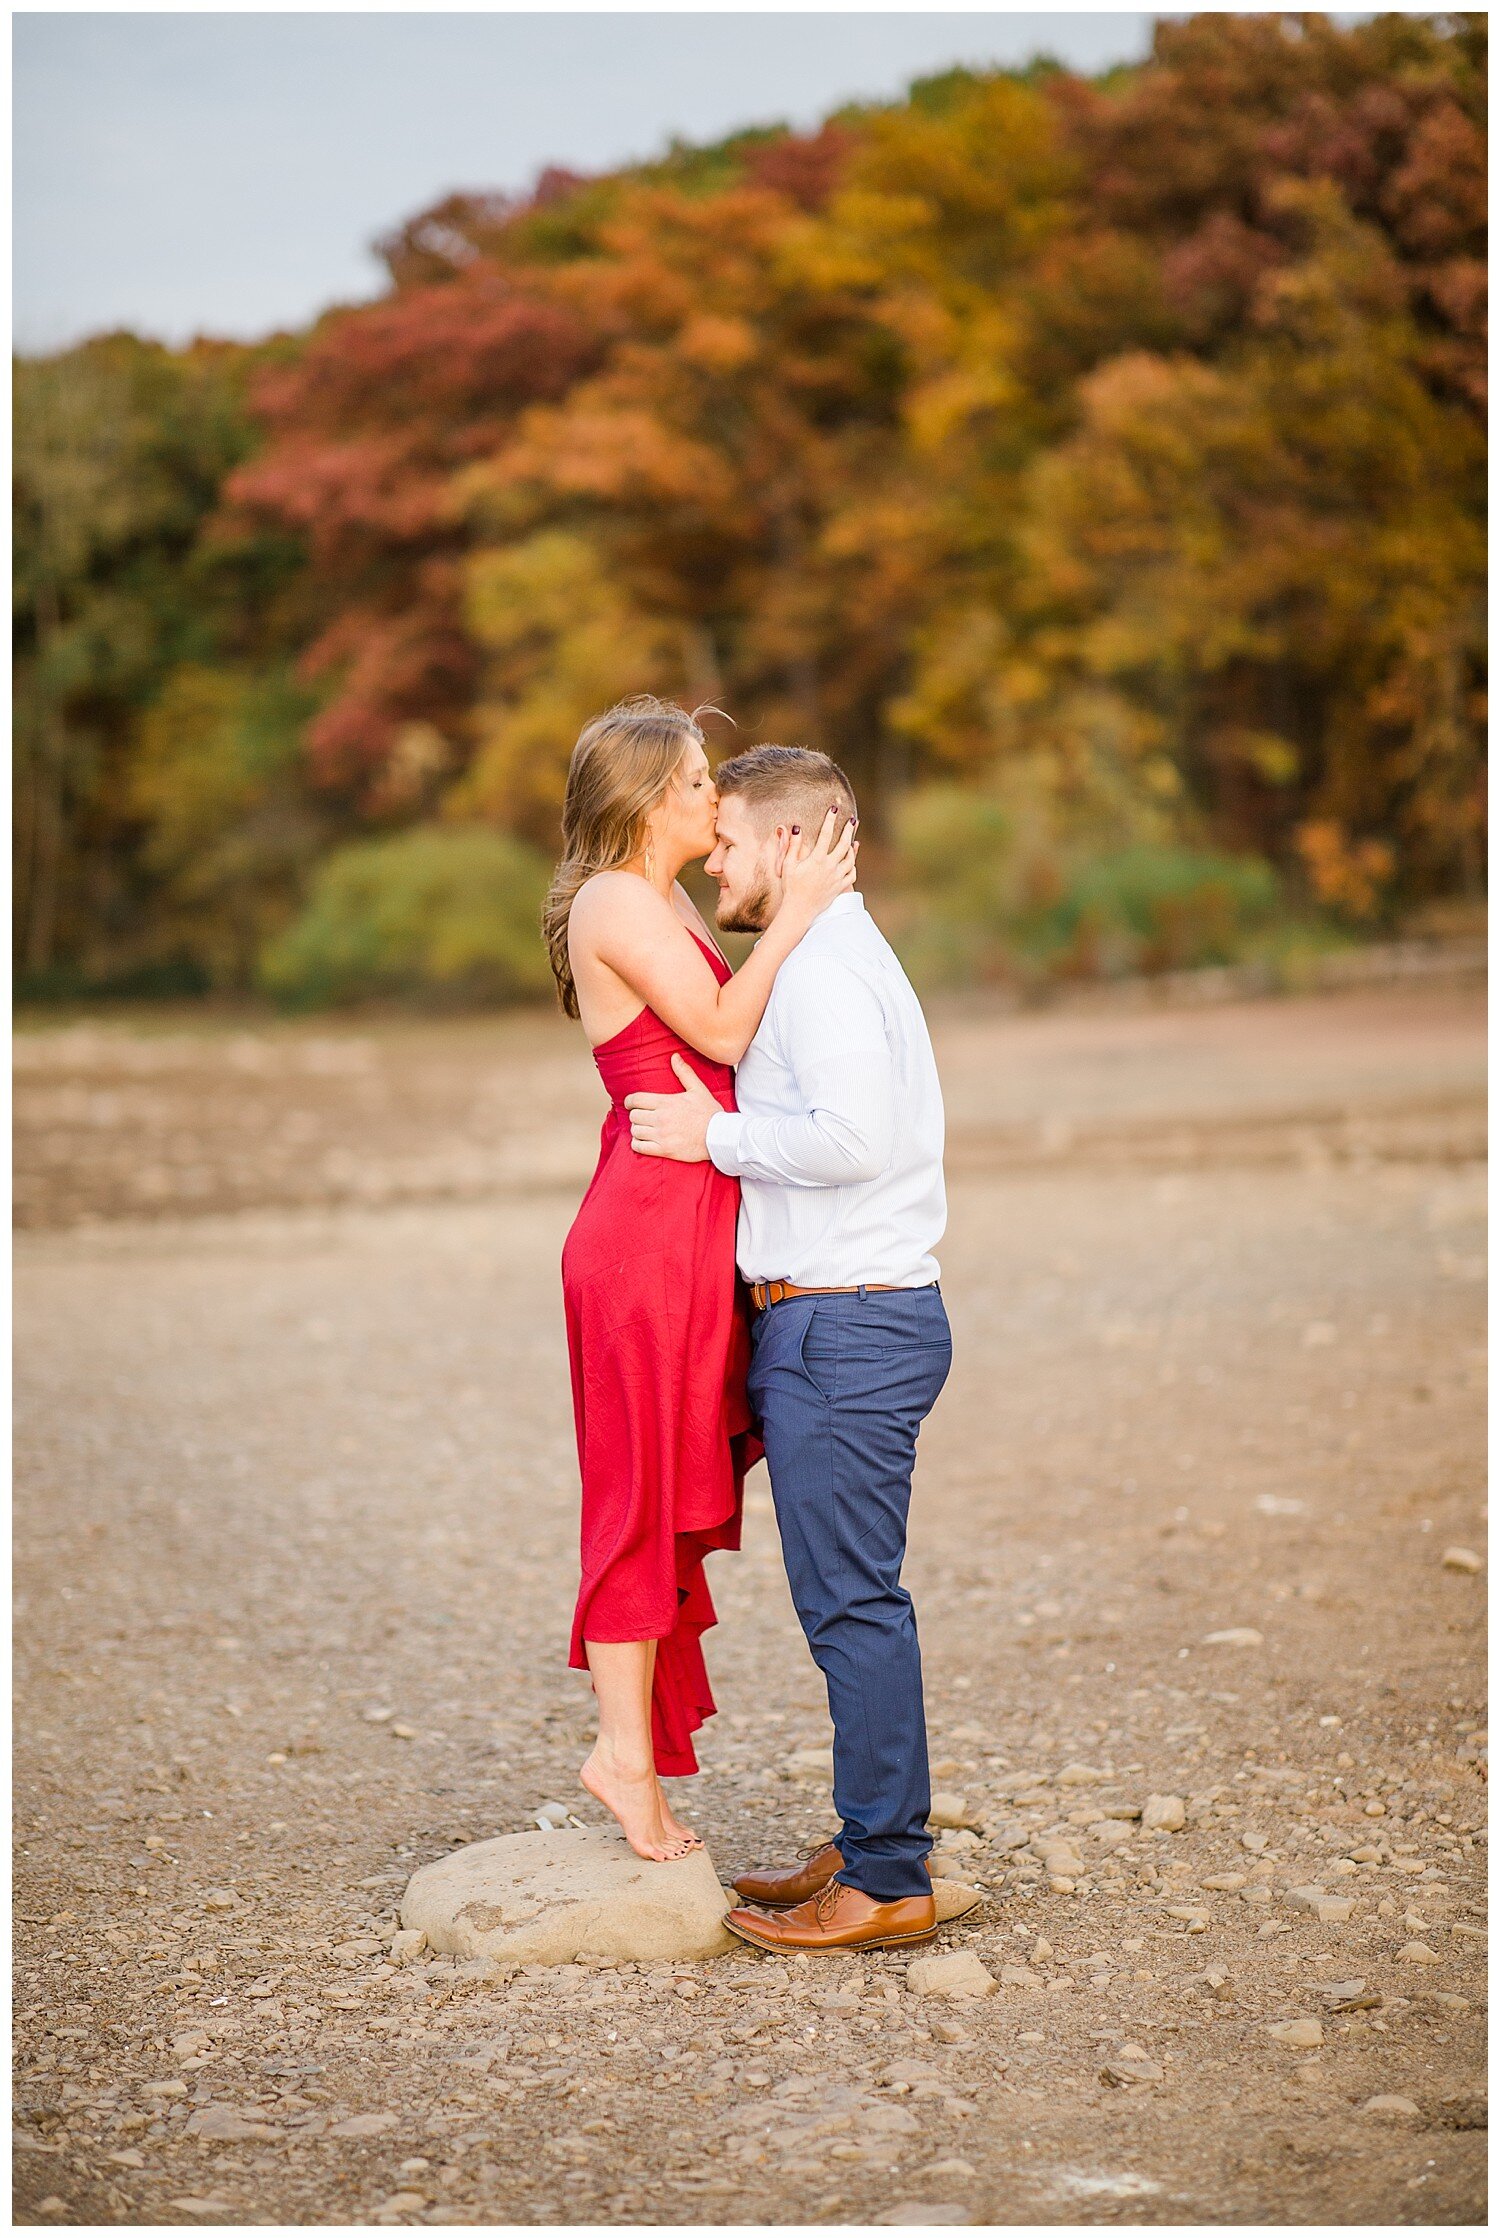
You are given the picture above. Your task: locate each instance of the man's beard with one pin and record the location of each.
(750, 913)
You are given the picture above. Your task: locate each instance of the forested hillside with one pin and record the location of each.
(1095, 468)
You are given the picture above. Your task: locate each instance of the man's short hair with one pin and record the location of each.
(788, 785)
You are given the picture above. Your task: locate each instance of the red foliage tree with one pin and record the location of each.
(365, 429)
(1188, 153)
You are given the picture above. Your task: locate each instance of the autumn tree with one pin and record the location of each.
(120, 450)
(366, 425)
(1105, 453)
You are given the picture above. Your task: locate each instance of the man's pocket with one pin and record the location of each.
(778, 1339)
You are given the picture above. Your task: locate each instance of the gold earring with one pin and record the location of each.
(650, 863)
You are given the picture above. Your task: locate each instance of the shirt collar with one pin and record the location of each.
(843, 904)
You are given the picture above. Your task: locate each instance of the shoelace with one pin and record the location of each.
(826, 1900)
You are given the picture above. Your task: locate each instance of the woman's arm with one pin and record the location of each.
(629, 927)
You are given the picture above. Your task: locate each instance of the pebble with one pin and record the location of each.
(1299, 2035)
(1462, 1558)
(1391, 2106)
(804, 1763)
(949, 2032)
(948, 2168)
(1227, 1881)
(956, 1973)
(955, 1898)
(226, 2124)
(363, 2125)
(408, 1943)
(1079, 1775)
(1418, 1954)
(951, 1811)
(1020, 1977)
(1164, 1814)
(1349, 1997)
(1041, 1952)
(1305, 1899)
(888, 2121)
(1238, 1635)
(1130, 2065)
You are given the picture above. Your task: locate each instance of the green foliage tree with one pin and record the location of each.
(231, 833)
(120, 452)
(452, 913)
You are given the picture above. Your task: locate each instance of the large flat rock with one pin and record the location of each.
(544, 1899)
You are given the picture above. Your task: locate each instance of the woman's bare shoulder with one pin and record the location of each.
(615, 897)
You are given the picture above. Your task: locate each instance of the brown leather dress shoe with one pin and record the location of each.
(837, 1918)
(794, 1883)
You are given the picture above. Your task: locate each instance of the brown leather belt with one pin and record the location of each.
(763, 1294)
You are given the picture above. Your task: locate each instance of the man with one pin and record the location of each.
(838, 1145)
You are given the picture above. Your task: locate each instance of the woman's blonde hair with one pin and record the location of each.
(622, 764)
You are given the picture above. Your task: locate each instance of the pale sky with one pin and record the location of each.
(225, 173)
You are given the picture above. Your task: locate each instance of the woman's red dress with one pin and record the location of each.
(659, 1344)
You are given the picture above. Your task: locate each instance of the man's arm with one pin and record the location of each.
(832, 1035)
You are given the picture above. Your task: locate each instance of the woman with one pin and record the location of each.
(656, 1332)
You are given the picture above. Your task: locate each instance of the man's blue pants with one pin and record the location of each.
(842, 1383)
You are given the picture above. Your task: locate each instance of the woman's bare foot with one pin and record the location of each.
(632, 1795)
(676, 1831)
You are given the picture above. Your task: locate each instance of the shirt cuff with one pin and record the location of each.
(723, 1140)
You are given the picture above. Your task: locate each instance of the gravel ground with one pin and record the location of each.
(296, 1514)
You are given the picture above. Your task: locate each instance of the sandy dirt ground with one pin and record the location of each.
(1200, 1516)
